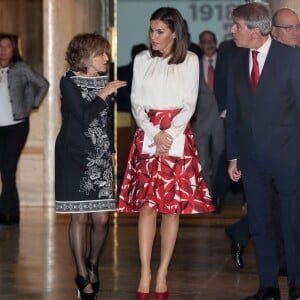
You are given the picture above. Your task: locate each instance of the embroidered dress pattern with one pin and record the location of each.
(97, 178)
(170, 185)
(98, 167)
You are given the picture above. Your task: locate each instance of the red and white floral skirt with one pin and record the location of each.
(170, 185)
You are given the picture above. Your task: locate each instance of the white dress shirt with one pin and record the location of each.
(261, 56)
(205, 62)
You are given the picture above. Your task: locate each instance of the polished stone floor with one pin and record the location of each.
(36, 263)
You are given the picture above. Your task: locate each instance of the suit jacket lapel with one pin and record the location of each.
(202, 76)
(243, 70)
(268, 69)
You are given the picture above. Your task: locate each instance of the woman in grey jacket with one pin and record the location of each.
(21, 90)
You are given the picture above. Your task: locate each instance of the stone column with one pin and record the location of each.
(62, 20)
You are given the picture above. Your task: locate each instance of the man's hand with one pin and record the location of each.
(234, 173)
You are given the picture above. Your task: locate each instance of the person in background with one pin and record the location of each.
(207, 124)
(263, 143)
(286, 26)
(238, 232)
(125, 73)
(164, 95)
(222, 183)
(21, 90)
(84, 155)
(193, 47)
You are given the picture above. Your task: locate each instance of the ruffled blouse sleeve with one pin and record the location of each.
(139, 110)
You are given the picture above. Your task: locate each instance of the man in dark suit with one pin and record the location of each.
(207, 124)
(285, 29)
(226, 52)
(238, 232)
(263, 143)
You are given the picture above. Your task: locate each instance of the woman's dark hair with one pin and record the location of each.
(14, 43)
(82, 47)
(174, 21)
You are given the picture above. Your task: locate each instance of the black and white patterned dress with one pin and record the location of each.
(84, 147)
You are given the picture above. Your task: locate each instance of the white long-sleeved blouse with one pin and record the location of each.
(161, 86)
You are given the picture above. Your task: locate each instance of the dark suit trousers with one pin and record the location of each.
(260, 177)
(221, 182)
(12, 141)
(239, 231)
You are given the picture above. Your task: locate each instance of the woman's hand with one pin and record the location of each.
(111, 88)
(163, 142)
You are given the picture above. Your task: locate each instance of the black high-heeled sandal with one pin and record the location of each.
(94, 270)
(81, 283)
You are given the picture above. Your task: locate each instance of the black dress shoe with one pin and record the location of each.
(217, 204)
(266, 293)
(294, 293)
(7, 220)
(236, 251)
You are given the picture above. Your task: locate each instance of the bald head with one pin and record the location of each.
(285, 27)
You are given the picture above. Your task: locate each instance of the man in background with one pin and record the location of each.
(207, 124)
(286, 27)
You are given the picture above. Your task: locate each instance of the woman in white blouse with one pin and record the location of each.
(163, 174)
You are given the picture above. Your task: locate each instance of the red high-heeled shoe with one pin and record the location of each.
(163, 295)
(141, 295)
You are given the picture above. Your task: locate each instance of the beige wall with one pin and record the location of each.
(25, 18)
(62, 20)
(45, 28)
(294, 4)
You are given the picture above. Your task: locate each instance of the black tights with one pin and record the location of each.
(82, 232)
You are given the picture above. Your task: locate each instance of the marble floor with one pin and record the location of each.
(36, 263)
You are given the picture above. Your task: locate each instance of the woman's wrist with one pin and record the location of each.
(103, 95)
(104, 99)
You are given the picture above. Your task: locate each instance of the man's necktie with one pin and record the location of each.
(210, 75)
(254, 72)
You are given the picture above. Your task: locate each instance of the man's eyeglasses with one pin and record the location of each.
(289, 28)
